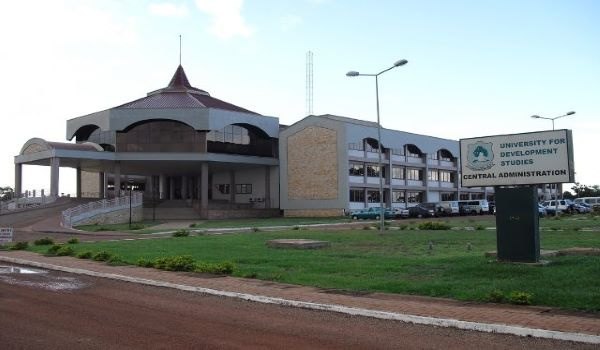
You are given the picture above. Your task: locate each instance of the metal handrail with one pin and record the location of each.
(102, 206)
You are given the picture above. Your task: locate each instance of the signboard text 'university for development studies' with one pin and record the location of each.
(517, 159)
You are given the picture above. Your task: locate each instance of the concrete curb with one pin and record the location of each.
(423, 320)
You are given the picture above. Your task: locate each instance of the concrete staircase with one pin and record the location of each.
(171, 210)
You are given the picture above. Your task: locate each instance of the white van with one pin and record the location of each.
(591, 201)
(475, 206)
(563, 204)
(449, 207)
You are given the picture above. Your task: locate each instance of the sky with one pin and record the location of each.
(475, 68)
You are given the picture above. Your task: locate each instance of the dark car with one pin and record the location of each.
(425, 210)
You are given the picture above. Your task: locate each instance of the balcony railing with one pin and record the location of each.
(76, 214)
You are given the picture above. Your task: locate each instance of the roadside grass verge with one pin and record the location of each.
(138, 227)
(405, 262)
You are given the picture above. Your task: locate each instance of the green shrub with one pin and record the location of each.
(137, 226)
(54, 249)
(19, 246)
(144, 263)
(181, 233)
(175, 263)
(65, 250)
(403, 227)
(520, 298)
(73, 241)
(114, 260)
(224, 268)
(496, 296)
(44, 241)
(366, 227)
(296, 228)
(84, 255)
(429, 225)
(479, 227)
(192, 225)
(102, 255)
(255, 229)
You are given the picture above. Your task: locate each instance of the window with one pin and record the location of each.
(371, 145)
(398, 196)
(414, 197)
(433, 156)
(433, 175)
(445, 155)
(398, 151)
(464, 196)
(373, 170)
(229, 134)
(357, 195)
(448, 196)
(397, 172)
(243, 188)
(357, 169)
(413, 151)
(223, 188)
(413, 174)
(446, 176)
(356, 146)
(373, 196)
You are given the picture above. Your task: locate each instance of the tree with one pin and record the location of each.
(568, 195)
(6, 193)
(585, 190)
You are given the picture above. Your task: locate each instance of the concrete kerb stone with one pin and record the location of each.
(423, 320)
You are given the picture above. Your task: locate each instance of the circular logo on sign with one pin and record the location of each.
(480, 156)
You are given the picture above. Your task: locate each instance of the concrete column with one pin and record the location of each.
(117, 179)
(232, 186)
(366, 199)
(389, 179)
(426, 178)
(18, 179)
(78, 187)
(162, 184)
(148, 187)
(204, 186)
(198, 187)
(101, 185)
(184, 187)
(54, 174)
(171, 187)
(267, 187)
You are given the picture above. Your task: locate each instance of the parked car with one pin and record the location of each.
(578, 208)
(563, 204)
(550, 211)
(492, 207)
(476, 206)
(401, 213)
(449, 207)
(593, 202)
(542, 210)
(372, 214)
(424, 210)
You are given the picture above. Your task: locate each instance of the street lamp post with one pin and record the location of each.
(380, 148)
(553, 119)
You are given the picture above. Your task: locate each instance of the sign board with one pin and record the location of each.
(6, 235)
(518, 159)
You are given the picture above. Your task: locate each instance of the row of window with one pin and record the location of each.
(239, 188)
(358, 169)
(230, 134)
(372, 196)
(370, 145)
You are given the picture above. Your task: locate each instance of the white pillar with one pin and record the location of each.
(54, 174)
(18, 179)
(267, 187)
(117, 179)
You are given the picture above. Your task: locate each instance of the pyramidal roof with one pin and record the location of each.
(181, 94)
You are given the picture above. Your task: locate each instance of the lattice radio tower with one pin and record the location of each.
(309, 83)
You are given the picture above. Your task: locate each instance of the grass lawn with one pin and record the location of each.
(397, 262)
(218, 224)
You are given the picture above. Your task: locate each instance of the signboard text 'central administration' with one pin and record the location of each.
(518, 159)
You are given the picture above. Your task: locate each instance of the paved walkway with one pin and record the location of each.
(538, 318)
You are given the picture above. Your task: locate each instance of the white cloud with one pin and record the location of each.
(167, 9)
(290, 22)
(227, 20)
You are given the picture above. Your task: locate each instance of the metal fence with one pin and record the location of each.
(81, 212)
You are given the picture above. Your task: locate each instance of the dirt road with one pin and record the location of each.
(58, 310)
